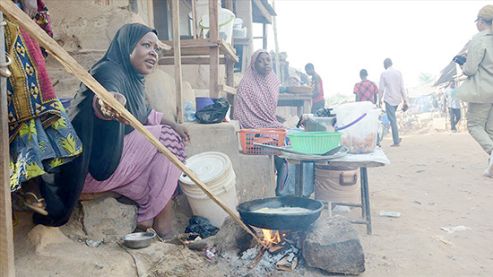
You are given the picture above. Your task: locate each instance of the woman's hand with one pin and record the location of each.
(182, 131)
(109, 112)
(30, 7)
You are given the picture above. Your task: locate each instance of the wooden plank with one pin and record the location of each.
(228, 50)
(213, 51)
(175, 10)
(188, 60)
(200, 47)
(193, 43)
(6, 232)
(72, 66)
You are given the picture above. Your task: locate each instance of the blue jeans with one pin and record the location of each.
(454, 118)
(390, 110)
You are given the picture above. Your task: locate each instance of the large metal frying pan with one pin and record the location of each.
(298, 221)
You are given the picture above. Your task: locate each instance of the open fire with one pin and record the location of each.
(281, 251)
(271, 237)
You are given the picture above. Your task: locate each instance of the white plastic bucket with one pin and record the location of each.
(225, 22)
(358, 122)
(214, 169)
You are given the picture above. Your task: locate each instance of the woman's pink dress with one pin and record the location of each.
(144, 175)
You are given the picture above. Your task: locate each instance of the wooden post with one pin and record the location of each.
(276, 43)
(195, 20)
(150, 13)
(228, 4)
(264, 36)
(175, 10)
(214, 50)
(6, 232)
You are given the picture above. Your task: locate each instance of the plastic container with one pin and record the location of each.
(225, 22)
(270, 136)
(202, 102)
(337, 184)
(189, 112)
(358, 122)
(214, 169)
(314, 142)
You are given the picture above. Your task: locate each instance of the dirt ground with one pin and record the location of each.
(434, 181)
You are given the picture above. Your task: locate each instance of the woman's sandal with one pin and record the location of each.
(34, 203)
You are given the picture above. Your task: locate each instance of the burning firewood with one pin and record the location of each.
(287, 263)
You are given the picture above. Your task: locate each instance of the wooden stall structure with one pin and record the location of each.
(212, 50)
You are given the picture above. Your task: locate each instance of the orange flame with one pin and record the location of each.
(271, 237)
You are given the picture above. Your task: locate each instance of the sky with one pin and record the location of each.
(342, 37)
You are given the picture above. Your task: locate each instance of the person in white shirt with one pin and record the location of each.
(453, 104)
(392, 92)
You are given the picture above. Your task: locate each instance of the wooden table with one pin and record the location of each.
(302, 102)
(363, 161)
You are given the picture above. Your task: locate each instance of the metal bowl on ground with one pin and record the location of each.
(138, 240)
(249, 212)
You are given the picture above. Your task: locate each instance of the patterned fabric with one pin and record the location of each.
(366, 91)
(40, 134)
(256, 100)
(30, 93)
(37, 150)
(43, 18)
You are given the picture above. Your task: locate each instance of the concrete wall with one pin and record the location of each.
(85, 30)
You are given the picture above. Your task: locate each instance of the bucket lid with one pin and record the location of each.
(208, 166)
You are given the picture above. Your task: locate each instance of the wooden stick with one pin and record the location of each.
(6, 232)
(175, 11)
(71, 65)
(213, 51)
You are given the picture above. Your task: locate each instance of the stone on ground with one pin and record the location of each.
(332, 244)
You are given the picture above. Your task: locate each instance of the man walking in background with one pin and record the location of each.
(453, 104)
(392, 92)
(318, 100)
(365, 90)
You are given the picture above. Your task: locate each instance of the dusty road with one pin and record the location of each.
(434, 181)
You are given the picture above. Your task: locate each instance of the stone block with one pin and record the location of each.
(107, 219)
(231, 237)
(332, 244)
(42, 236)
